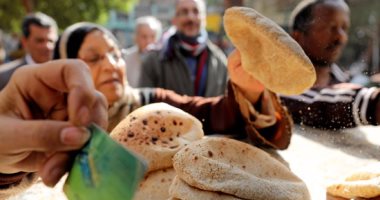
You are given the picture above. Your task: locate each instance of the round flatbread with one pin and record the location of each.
(156, 132)
(180, 190)
(155, 185)
(364, 183)
(268, 53)
(237, 168)
(354, 189)
(365, 173)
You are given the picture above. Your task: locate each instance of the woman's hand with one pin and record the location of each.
(44, 111)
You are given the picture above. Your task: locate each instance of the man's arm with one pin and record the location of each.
(265, 123)
(335, 108)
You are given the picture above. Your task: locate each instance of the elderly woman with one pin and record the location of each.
(246, 111)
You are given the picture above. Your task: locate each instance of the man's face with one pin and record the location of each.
(145, 35)
(40, 43)
(325, 38)
(189, 17)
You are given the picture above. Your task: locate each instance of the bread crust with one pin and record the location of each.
(268, 53)
(155, 185)
(363, 183)
(156, 132)
(238, 169)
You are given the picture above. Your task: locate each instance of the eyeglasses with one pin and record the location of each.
(113, 57)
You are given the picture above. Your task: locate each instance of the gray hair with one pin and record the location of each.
(152, 22)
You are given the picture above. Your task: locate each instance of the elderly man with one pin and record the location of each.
(188, 62)
(148, 31)
(320, 27)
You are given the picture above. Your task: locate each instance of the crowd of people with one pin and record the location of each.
(64, 83)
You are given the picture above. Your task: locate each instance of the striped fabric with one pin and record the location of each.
(330, 108)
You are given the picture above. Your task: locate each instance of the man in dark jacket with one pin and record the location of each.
(188, 62)
(38, 40)
(320, 27)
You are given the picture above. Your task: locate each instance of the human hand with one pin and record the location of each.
(247, 84)
(44, 110)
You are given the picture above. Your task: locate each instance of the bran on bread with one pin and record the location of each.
(156, 132)
(237, 168)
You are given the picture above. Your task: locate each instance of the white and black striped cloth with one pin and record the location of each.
(330, 108)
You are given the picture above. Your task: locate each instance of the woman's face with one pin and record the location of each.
(103, 57)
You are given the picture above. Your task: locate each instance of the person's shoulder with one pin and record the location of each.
(154, 52)
(130, 50)
(215, 50)
(11, 66)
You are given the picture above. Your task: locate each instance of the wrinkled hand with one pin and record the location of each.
(248, 85)
(44, 110)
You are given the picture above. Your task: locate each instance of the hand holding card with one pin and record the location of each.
(103, 169)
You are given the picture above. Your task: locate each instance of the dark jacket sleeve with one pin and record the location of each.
(229, 115)
(334, 109)
(149, 70)
(6, 71)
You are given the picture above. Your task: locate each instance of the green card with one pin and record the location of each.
(103, 169)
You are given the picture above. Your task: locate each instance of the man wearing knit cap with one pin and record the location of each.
(188, 62)
(320, 27)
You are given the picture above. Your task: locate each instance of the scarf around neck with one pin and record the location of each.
(193, 45)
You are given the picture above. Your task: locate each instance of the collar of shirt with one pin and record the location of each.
(29, 60)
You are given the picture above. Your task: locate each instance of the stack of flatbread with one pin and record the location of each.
(204, 168)
(156, 132)
(222, 168)
(362, 184)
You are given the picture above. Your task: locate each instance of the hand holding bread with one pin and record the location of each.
(268, 53)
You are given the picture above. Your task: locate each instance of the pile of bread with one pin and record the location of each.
(183, 164)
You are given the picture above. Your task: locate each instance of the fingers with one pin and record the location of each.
(244, 81)
(40, 136)
(25, 162)
(85, 106)
(48, 84)
(100, 111)
(55, 167)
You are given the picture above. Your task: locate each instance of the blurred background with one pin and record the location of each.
(361, 55)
